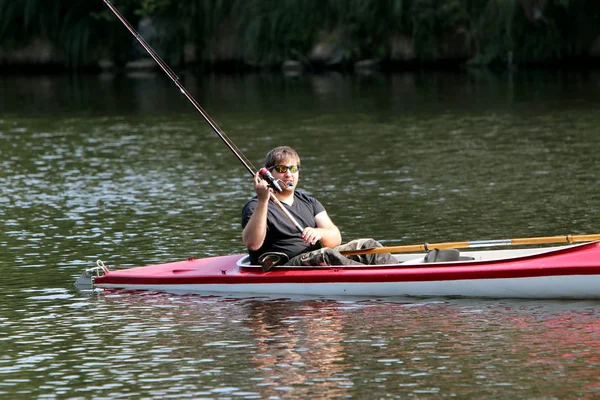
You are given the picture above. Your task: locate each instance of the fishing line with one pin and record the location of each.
(228, 142)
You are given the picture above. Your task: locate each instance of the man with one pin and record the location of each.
(272, 239)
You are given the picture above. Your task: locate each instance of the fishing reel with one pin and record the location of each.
(265, 174)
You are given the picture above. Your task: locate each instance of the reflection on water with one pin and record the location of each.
(524, 92)
(155, 345)
(123, 169)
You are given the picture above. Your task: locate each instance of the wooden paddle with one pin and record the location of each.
(477, 243)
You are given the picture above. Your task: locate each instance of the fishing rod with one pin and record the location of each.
(264, 172)
(183, 90)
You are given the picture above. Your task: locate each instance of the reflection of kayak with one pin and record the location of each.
(571, 271)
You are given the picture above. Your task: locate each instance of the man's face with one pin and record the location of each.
(283, 171)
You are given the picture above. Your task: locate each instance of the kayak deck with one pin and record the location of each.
(560, 272)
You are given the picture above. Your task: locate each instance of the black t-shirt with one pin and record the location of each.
(282, 236)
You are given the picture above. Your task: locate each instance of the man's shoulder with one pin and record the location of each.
(251, 203)
(252, 200)
(310, 201)
(304, 197)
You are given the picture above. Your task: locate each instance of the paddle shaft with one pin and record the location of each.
(474, 244)
(240, 156)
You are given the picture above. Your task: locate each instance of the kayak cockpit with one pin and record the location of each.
(414, 259)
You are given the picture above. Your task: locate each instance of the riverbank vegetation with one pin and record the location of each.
(310, 34)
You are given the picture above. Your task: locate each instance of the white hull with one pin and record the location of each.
(545, 287)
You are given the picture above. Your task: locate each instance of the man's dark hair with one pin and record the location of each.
(279, 154)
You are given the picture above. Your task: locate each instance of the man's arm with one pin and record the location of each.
(326, 232)
(255, 231)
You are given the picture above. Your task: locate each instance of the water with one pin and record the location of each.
(121, 168)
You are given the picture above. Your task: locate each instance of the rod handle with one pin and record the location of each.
(267, 176)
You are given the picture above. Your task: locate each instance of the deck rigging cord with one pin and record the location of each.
(264, 173)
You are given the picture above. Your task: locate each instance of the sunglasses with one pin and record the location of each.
(283, 168)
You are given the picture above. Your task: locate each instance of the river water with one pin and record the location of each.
(122, 168)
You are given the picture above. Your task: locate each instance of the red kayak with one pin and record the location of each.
(571, 271)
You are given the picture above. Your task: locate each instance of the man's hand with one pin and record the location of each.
(311, 235)
(261, 187)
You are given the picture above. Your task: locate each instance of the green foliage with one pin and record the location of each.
(272, 30)
(265, 32)
(151, 7)
(67, 24)
(369, 24)
(490, 30)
